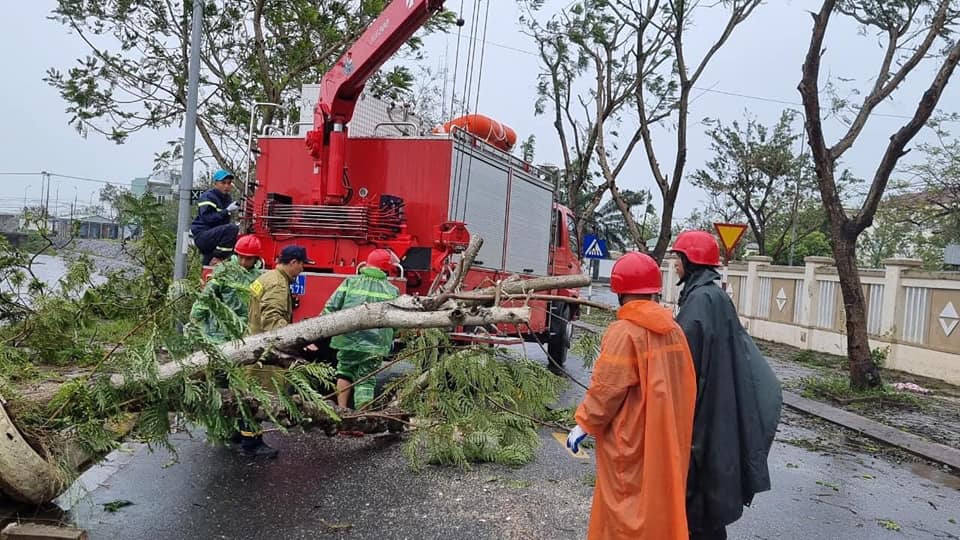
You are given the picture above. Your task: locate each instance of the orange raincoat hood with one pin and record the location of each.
(639, 408)
(647, 315)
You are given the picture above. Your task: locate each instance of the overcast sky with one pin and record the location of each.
(762, 59)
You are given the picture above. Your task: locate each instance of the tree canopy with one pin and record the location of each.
(134, 75)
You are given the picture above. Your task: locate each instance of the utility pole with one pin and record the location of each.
(189, 141)
(45, 179)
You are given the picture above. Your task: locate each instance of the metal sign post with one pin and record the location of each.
(730, 235)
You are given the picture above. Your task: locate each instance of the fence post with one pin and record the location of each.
(753, 283)
(812, 288)
(670, 287)
(893, 294)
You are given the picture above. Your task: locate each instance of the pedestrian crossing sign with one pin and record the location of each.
(595, 248)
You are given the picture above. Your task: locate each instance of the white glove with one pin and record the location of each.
(234, 207)
(576, 435)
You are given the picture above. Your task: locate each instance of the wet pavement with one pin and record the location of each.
(827, 484)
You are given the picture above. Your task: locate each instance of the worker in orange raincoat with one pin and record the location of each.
(639, 408)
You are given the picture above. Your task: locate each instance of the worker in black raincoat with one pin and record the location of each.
(738, 396)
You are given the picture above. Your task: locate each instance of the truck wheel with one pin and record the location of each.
(561, 328)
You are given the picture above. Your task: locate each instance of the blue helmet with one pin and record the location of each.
(222, 175)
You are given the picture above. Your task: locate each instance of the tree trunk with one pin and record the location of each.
(400, 313)
(666, 227)
(863, 372)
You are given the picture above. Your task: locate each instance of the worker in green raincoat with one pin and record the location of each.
(360, 353)
(230, 284)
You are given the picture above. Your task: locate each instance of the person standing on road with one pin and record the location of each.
(213, 234)
(229, 283)
(271, 302)
(360, 353)
(738, 396)
(271, 308)
(639, 408)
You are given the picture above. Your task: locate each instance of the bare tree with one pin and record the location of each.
(659, 28)
(909, 31)
(585, 85)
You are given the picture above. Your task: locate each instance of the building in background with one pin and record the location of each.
(10, 222)
(162, 185)
(88, 227)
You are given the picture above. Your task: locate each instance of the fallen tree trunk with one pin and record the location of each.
(400, 313)
(25, 476)
(387, 420)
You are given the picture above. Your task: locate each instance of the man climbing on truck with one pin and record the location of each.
(213, 233)
(360, 353)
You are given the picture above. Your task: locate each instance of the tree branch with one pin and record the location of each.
(883, 88)
(895, 148)
(823, 158)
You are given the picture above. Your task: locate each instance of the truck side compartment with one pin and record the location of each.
(507, 202)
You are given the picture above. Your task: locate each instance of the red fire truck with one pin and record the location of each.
(420, 196)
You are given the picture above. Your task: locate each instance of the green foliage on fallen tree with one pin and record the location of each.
(61, 342)
(475, 404)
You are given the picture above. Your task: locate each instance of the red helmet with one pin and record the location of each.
(248, 246)
(700, 247)
(383, 259)
(636, 273)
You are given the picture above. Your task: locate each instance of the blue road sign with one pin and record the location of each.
(595, 248)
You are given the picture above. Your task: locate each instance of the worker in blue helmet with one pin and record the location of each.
(213, 233)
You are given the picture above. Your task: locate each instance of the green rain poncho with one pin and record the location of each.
(230, 285)
(368, 287)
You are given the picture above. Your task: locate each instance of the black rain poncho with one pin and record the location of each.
(738, 406)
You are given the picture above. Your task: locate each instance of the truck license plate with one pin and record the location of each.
(299, 285)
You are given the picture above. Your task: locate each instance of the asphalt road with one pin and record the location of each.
(363, 488)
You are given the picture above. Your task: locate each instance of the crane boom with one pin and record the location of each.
(341, 86)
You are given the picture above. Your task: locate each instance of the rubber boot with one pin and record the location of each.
(255, 447)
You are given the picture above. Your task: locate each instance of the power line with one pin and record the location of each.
(793, 103)
(714, 90)
(507, 47)
(68, 176)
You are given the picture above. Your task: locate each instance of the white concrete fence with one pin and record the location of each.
(914, 314)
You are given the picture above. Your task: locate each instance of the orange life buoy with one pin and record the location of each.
(495, 133)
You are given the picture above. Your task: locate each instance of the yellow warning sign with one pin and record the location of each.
(730, 234)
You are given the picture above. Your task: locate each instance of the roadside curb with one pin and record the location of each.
(911, 443)
(589, 327)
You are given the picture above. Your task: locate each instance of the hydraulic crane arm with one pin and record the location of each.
(342, 85)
